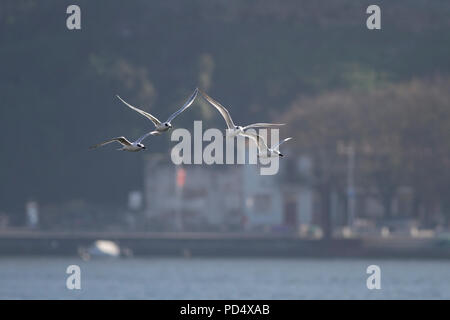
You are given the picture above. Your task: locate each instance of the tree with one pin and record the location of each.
(400, 132)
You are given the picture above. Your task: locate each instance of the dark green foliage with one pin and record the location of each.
(57, 87)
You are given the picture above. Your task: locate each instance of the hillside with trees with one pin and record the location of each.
(312, 64)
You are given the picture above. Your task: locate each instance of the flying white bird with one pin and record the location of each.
(263, 150)
(234, 130)
(126, 145)
(163, 126)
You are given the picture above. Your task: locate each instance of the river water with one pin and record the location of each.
(198, 278)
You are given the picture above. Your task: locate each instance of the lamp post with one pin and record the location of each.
(349, 151)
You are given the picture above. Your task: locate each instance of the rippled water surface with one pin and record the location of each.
(196, 278)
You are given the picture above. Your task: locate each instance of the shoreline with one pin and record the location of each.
(186, 244)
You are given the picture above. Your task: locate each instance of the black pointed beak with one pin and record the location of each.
(280, 155)
(144, 148)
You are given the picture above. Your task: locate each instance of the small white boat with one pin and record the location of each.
(101, 248)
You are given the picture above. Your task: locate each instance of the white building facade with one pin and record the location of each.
(225, 196)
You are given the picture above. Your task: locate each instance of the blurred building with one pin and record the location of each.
(237, 197)
(226, 197)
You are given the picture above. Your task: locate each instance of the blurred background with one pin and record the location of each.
(366, 178)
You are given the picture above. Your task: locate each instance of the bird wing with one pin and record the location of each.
(155, 120)
(263, 125)
(185, 106)
(276, 147)
(262, 146)
(223, 111)
(144, 136)
(121, 140)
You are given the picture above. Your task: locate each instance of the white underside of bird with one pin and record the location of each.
(161, 127)
(126, 145)
(234, 130)
(263, 150)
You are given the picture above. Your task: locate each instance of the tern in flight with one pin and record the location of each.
(163, 126)
(234, 130)
(263, 150)
(126, 145)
